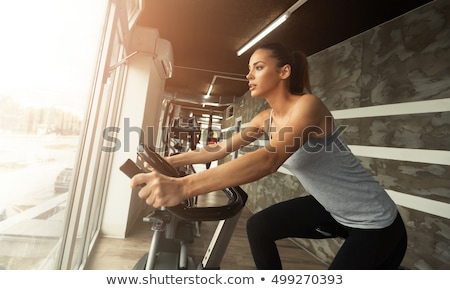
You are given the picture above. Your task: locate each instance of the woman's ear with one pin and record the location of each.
(285, 71)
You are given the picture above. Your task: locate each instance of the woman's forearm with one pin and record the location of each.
(203, 155)
(217, 151)
(239, 171)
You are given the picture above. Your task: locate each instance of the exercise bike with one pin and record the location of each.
(173, 226)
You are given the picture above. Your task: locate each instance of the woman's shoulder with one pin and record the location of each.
(309, 102)
(310, 98)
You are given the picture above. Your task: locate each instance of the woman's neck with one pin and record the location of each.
(281, 103)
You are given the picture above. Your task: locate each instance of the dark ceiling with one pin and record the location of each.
(205, 35)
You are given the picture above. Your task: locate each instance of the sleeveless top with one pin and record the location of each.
(330, 172)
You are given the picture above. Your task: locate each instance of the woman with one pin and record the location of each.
(344, 201)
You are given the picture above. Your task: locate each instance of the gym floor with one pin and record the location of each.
(122, 254)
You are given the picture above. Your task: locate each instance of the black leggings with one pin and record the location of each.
(304, 217)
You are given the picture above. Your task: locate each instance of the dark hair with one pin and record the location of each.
(299, 79)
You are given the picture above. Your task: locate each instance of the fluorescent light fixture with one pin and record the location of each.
(263, 33)
(277, 22)
(208, 94)
(209, 90)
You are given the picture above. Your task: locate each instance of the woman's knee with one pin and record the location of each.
(257, 225)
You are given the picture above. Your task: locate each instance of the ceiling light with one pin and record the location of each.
(208, 94)
(263, 33)
(209, 90)
(277, 22)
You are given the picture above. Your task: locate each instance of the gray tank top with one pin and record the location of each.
(330, 172)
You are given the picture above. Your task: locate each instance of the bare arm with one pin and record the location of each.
(218, 151)
(307, 119)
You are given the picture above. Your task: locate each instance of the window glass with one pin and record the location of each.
(49, 52)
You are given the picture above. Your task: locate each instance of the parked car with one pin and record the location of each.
(63, 180)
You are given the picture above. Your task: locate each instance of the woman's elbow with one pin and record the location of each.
(273, 167)
(271, 163)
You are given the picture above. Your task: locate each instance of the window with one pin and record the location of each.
(229, 111)
(47, 73)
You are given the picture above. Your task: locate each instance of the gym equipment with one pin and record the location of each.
(169, 251)
(182, 136)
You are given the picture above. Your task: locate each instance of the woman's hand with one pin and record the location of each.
(159, 190)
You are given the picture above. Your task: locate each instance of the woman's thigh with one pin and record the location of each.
(373, 248)
(301, 217)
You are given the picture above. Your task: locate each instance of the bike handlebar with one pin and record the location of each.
(237, 197)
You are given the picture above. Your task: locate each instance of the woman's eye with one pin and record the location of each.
(259, 68)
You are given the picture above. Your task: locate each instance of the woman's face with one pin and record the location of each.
(263, 76)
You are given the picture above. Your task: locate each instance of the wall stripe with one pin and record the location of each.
(441, 157)
(404, 154)
(433, 207)
(410, 155)
(421, 107)
(431, 106)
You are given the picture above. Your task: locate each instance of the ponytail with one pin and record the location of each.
(300, 73)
